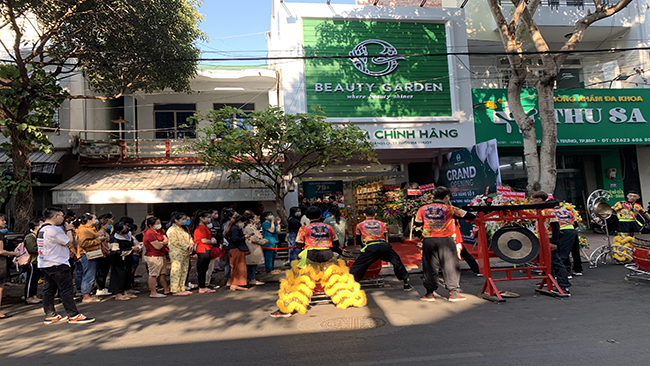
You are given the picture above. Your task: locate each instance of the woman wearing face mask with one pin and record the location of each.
(270, 228)
(121, 259)
(88, 240)
(180, 248)
(292, 231)
(4, 254)
(204, 241)
(237, 251)
(104, 230)
(155, 243)
(254, 242)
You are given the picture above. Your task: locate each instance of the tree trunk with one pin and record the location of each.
(24, 198)
(548, 171)
(279, 205)
(527, 127)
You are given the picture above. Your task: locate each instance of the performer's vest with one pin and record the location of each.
(377, 226)
(319, 236)
(565, 218)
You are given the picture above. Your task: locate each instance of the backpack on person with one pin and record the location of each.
(23, 257)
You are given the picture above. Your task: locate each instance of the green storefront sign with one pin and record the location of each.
(376, 77)
(583, 116)
(320, 189)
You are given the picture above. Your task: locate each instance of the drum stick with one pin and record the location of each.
(586, 256)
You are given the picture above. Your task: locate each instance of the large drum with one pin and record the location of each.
(351, 253)
(641, 252)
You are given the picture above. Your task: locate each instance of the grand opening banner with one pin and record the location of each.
(467, 173)
(583, 116)
(369, 72)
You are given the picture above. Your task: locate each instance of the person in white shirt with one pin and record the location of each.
(54, 242)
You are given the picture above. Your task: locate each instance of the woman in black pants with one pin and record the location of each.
(201, 224)
(104, 227)
(33, 273)
(121, 259)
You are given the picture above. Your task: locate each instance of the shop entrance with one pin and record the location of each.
(570, 185)
(350, 187)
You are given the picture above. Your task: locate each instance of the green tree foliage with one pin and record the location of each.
(119, 45)
(274, 148)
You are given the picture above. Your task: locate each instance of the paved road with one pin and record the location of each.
(235, 329)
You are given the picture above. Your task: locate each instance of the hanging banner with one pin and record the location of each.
(508, 194)
(467, 173)
(427, 187)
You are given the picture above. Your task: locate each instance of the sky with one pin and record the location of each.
(236, 28)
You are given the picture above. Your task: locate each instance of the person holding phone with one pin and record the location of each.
(54, 242)
(270, 229)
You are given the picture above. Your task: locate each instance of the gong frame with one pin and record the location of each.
(508, 214)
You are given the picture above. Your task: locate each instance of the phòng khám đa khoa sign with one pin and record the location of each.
(583, 116)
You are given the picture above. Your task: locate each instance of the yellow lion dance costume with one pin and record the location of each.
(334, 276)
(623, 248)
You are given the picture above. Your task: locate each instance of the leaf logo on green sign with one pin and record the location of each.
(359, 57)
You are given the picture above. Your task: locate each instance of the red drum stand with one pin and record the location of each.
(509, 214)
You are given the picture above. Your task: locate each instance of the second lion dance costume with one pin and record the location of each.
(317, 264)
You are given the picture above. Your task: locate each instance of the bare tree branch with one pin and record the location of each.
(54, 28)
(584, 23)
(20, 64)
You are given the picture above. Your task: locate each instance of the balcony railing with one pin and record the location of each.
(133, 150)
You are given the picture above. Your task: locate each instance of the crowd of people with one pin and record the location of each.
(76, 255)
(102, 254)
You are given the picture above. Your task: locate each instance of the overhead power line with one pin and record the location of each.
(441, 54)
(610, 50)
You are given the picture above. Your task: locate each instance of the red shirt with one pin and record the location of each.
(149, 236)
(316, 235)
(371, 230)
(202, 232)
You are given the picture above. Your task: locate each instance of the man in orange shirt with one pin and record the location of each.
(439, 249)
(372, 233)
